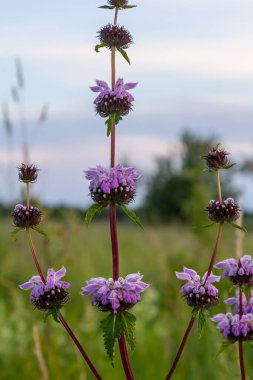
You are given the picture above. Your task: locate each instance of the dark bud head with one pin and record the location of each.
(55, 297)
(118, 3)
(115, 36)
(111, 104)
(24, 217)
(28, 173)
(225, 211)
(201, 301)
(119, 195)
(216, 158)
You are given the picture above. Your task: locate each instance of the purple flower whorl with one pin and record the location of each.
(24, 217)
(28, 173)
(115, 296)
(216, 158)
(115, 36)
(53, 294)
(199, 293)
(117, 101)
(227, 211)
(239, 271)
(114, 186)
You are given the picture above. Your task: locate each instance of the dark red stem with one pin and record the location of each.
(63, 322)
(114, 241)
(240, 342)
(181, 348)
(124, 357)
(215, 250)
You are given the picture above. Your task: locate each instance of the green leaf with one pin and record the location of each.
(92, 211)
(128, 323)
(124, 54)
(111, 327)
(225, 344)
(114, 118)
(129, 6)
(228, 166)
(238, 227)
(40, 231)
(54, 313)
(97, 47)
(207, 170)
(108, 122)
(14, 233)
(107, 7)
(200, 316)
(131, 215)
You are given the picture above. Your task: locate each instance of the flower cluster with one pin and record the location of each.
(27, 173)
(117, 101)
(225, 211)
(115, 296)
(25, 217)
(233, 327)
(247, 307)
(115, 36)
(199, 293)
(216, 158)
(118, 3)
(239, 271)
(52, 294)
(114, 186)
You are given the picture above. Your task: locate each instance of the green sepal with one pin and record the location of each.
(100, 46)
(107, 7)
(92, 211)
(241, 228)
(54, 312)
(200, 315)
(225, 344)
(129, 6)
(112, 326)
(124, 54)
(14, 233)
(132, 215)
(114, 118)
(40, 231)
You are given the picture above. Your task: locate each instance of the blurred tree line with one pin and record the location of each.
(180, 189)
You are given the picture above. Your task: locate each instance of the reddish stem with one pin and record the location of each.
(215, 250)
(64, 323)
(181, 348)
(114, 241)
(124, 357)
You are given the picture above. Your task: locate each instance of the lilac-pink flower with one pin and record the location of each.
(120, 90)
(118, 295)
(240, 272)
(51, 294)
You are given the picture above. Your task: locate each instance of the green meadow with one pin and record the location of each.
(32, 349)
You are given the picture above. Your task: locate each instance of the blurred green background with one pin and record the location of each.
(162, 316)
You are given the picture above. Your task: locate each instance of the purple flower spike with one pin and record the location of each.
(117, 185)
(52, 294)
(117, 101)
(199, 293)
(240, 272)
(115, 296)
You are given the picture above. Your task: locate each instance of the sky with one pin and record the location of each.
(192, 59)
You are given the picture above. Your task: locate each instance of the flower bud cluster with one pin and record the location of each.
(225, 211)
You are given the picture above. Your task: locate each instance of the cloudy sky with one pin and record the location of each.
(192, 59)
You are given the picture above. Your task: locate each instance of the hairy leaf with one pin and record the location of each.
(131, 215)
(124, 54)
(238, 227)
(40, 231)
(200, 316)
(54, 313)
(111, 327)
(97, 47)
(128, 322)
(92, 211)
(14, 233)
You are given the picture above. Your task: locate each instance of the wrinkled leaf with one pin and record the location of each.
(14, 233)
(54, 313)
(124, 54)
(128, 323)
(114, 118)
(241, 228)
(92, 211)
(225, 344)
(132, 215)
(97, 47)
(111, 327)
(200, 316)
(40, 231)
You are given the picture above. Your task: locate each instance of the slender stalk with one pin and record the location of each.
(62, 320)
(215, 250)
(240, 342)
(181, 348)
(113, 222)
(27, 194)
(219, 185)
